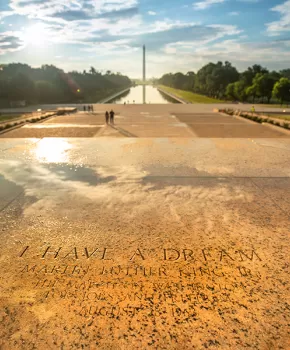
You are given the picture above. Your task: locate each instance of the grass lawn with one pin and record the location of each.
(190, 96)
(7, 117)
(272, 106)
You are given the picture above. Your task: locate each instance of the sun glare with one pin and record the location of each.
(52, 150)
(35, 35)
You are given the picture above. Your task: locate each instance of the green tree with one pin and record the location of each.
(263, 85)
(248, 75)
(212, 79)
(281, 90)
(285, 73)
(49, 84)
(251, 91)
(21, 87)
(230, 91)
(46, 92)
(240, 90)
(93, 71)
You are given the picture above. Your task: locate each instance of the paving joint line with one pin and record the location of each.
(12, 200)
(272, 200)
(34, 143)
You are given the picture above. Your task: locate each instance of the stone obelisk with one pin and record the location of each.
(144, 74)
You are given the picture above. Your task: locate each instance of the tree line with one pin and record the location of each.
(49, 84)
(223, 81)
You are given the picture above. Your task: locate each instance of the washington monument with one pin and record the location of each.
(144, 74)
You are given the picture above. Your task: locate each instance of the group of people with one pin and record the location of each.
(90, 108)
(110, 117)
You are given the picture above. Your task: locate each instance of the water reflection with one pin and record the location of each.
(52, 150)
(143, 94)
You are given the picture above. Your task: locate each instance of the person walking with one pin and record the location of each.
(107, 117)
(85, 108)
(112, 115)
(253, 109)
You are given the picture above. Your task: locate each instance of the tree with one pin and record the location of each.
(248, 75)
(240, 90)
(46, 92)
(230, 91)
(21, 87)
(285, 73)
(281, 90)
(212, 79)
(49, 84)
(251, 91)
(93, 71)
(263, 85)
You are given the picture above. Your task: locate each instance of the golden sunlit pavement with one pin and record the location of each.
(135, 242)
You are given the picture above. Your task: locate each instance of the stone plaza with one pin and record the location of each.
(167, 230)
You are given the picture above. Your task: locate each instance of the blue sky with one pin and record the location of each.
(179, 35)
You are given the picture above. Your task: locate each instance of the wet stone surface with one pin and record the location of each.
(144, 243)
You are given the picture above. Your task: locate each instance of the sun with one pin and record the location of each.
(35, 35)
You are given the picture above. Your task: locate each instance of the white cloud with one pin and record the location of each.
(202, 5)
(151, 13)
(249, 1)
(160, 26)
(234, 13)
(37, 9)
(283, 25)
(6, 14)
(273, 52)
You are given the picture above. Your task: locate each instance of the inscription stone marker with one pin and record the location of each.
(91, 263)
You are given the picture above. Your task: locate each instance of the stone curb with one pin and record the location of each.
(27, 122)
(278, 128)
(173, 96)
(108, 99)
(239, 118)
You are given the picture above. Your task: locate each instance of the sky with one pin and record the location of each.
(179, 35)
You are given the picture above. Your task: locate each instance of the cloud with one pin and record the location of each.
(203, 35)
(283, 25)
(151, 13)
(83, 8)
(234, 13)
(4, 14)
(249, 1)
(271, 52)
(10, 42)
(202, 5)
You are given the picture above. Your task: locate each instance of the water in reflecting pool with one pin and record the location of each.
(143, 94)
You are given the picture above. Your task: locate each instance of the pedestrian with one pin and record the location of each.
(89, 108)
(92, 108)
(107, 117)
(112, 114)
(253, 110)
(85, 108)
